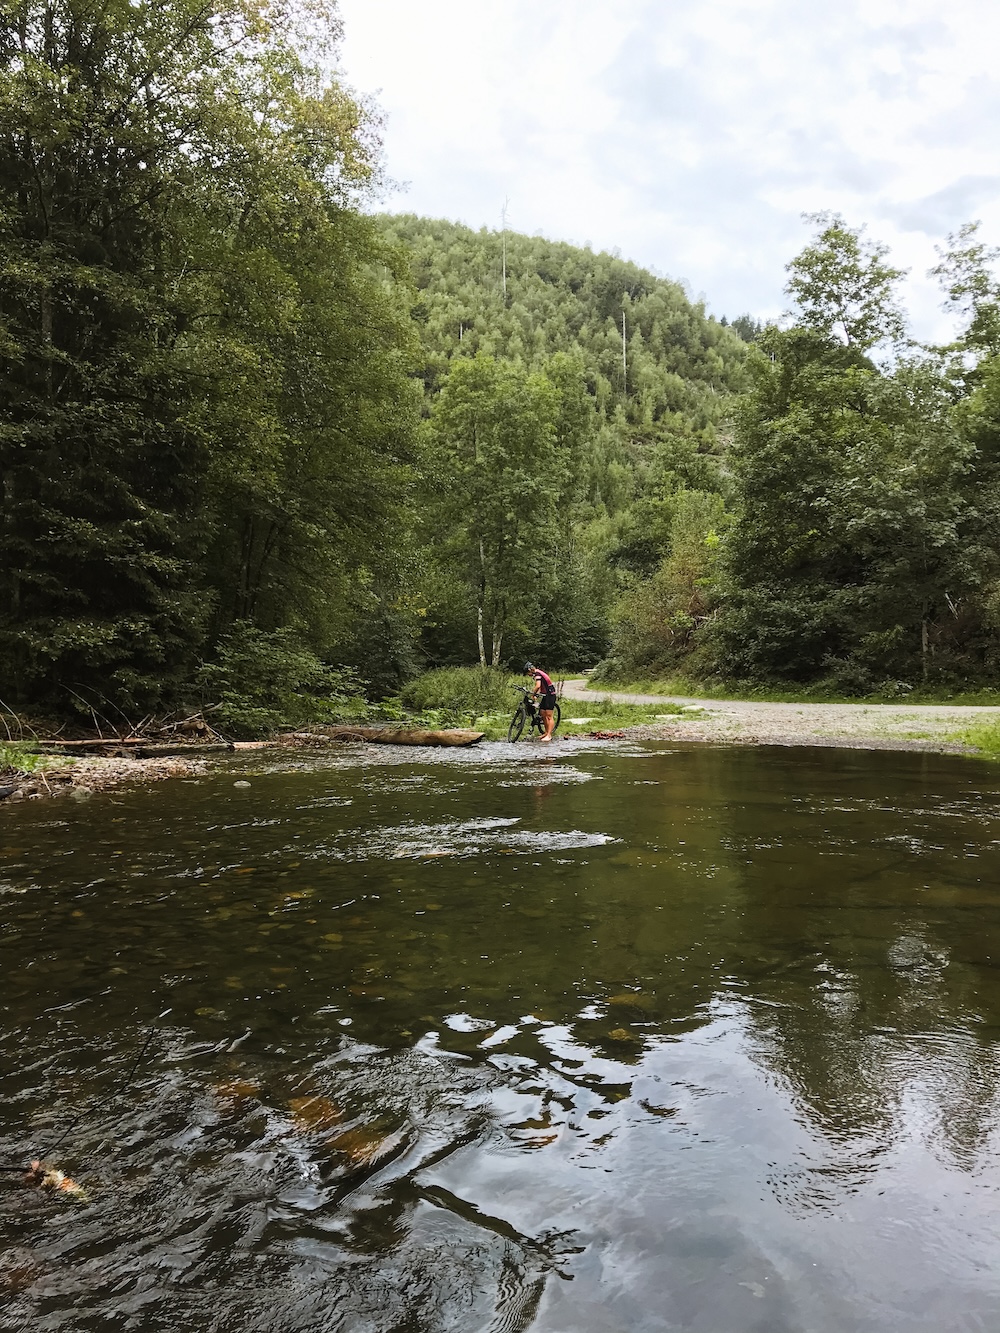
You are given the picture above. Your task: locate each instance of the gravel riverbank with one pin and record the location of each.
(726, 721)
(753, 722)
(81, 778)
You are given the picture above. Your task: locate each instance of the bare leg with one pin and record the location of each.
(548, 722)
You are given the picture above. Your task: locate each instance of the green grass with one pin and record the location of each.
(605, 715)
(601, 715)
(21, 758)
(985, 737)
(812, 694)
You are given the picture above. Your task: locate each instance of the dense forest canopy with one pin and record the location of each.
(204, 360)
(259, 442)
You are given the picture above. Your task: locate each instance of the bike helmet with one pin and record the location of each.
(528, 666)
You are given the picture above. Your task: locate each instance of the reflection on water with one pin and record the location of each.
(608, 1039)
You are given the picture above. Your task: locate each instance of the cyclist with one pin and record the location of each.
(545, 692)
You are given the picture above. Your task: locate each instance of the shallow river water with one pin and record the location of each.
(611, 1039)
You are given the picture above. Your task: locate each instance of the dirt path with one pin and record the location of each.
(858, 726)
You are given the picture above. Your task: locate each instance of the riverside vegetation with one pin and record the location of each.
(264, 449)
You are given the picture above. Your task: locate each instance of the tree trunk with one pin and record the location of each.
(241, 600)
(923, 649)
(46, 316)
(479, 606)
(389, 735)
(255, 584)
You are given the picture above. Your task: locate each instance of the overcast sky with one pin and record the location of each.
(692, 134)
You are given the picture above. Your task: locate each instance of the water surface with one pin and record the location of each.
(603, 1038)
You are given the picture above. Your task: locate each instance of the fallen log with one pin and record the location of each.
(138, 748)
(404, 735)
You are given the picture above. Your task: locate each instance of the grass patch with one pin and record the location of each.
(600, 715)
(984, 736)
(20, 757)
(605, 715)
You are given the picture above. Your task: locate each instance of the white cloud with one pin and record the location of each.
(692, 134)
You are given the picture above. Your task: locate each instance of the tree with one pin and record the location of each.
(494, 459)
(848, 552)
(747, 328)
(202, 354)
(966, 273)
(843, 288)
(658, 619)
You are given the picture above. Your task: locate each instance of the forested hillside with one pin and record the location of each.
(817, 508)
(525, 298)
(640, 384)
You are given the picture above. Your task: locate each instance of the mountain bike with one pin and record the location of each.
(527, 714)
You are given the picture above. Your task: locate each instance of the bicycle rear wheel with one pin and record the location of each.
(517, 724)
(558, 712)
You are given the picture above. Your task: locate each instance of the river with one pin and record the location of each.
(604, 1038)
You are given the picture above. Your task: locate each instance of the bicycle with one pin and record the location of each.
(527, 712)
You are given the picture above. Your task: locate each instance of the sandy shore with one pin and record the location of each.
(751, 722)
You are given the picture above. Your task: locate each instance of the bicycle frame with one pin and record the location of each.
(530, 702)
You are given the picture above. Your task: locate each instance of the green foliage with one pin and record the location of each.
(746, 327)
(984, 737)
(17, 758)
(261, 681)
(576, 514)
(850, 542)
(203, 346)
(971, 287)
(464, 691)
(659, 618)
(842, 287)
(561, 298)
(861, 552)
(494, 444)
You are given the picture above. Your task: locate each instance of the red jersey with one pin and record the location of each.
(544, 681)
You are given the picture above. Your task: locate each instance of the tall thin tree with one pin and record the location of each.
(503, 237)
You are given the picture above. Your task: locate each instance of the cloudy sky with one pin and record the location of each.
(692, 134)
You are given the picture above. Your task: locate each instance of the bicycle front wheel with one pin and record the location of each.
(516, 725)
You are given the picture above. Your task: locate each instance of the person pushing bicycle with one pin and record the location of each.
(545, 692)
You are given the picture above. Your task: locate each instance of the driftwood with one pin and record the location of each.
(403, 735)
(139, 748)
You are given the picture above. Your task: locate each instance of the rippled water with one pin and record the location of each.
(593, 1040)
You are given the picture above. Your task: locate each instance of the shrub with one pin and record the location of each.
(263, 680)
(985, 736)
(17, 759)
(467, 692)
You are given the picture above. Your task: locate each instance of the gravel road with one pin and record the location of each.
(751, 722)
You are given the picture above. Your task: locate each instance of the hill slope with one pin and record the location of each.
(680, 365)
